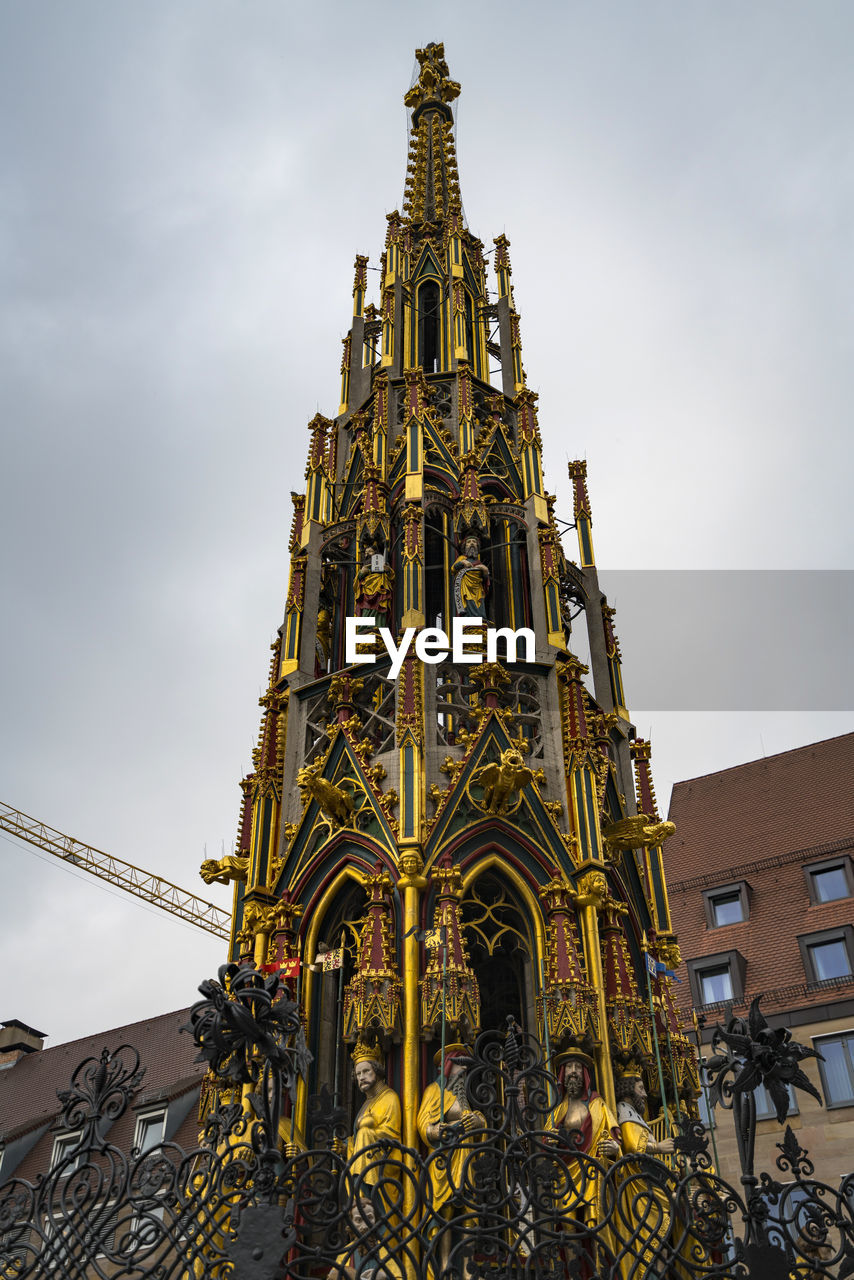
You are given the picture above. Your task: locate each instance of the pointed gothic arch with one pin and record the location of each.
(505, 933)
(430, 326)
(501, 949)
(334, 911)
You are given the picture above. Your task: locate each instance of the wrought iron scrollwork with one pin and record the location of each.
(100, 1091)
(518, 1197)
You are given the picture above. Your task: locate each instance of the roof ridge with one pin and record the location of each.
(113, 1031)
(748, 764)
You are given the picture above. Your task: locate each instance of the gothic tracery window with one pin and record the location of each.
(501, 948)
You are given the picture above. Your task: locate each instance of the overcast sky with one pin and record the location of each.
(183, 188)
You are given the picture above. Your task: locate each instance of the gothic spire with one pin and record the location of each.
(432, 190)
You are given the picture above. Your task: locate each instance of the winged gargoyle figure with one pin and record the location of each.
(335, 804)
(638, 832)
(502, 781)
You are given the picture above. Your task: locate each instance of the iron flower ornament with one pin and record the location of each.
(750, 1053)
(246, 1017)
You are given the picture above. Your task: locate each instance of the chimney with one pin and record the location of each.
(17, 1039)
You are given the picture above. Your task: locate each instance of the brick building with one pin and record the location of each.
(164, 1107)
(761, 888)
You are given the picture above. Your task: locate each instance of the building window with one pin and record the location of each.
(707, 1113)
(765, 1109)
(830, 880)
(717, 979)
(716, 984)
(727, 904)
(149, 1130)
(830, 959)
(63, 1148)
(827, 955)
(837, 1069)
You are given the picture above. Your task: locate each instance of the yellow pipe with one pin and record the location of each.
(411, 883)
(411, 1011)
(593, 887)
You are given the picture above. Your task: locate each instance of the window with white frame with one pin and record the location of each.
(150, 1127)
(707, 1112)
(765, 1109)
(149, 1133)
(69, 1239)
(837, 1069)
(63, 1148)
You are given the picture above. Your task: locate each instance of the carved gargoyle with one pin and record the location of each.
(502, 782)
(335, 804)
(224, 870)
(638, 832)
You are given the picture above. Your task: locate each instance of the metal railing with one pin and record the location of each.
(503, 1192)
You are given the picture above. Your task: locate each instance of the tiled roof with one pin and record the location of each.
(28, 1089)
(798, 799)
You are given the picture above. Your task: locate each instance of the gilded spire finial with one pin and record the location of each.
(434, 84)
(432, 190)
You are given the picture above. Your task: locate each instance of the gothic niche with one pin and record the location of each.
(341, 928)
(506, 556)
(501, 946)
(429, 320)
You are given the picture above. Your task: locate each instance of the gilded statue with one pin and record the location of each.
(323, 639)
(583, 1118)
(373, 1184)
(335, 804)
(645, 1215)
(471, 581)
(503, 781)
(374, 587)
(225, 870)
(637, 832)
(444, 1103)
(636, 1135)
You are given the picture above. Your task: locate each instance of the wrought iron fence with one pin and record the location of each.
(503, 1195)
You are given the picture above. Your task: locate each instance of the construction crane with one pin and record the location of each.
(142, 884)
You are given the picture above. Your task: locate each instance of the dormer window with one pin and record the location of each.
(717, 979)
(64, 1147)
(830, 880)
(727, 904)
(149, 1129)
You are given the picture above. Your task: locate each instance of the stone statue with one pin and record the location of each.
(374, 588)
(224, 870)
(471, 581)
(501, 782)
